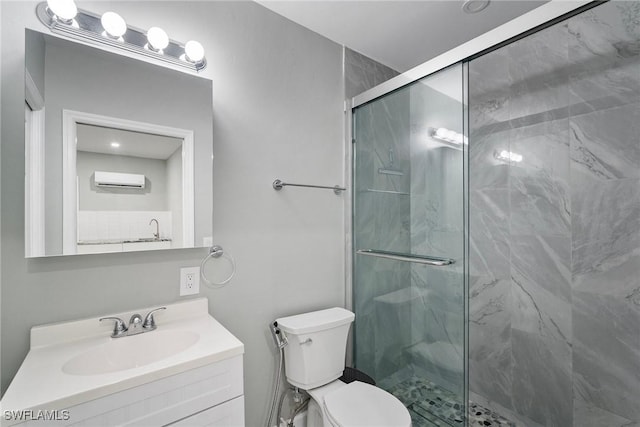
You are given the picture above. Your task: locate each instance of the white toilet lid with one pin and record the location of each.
(361, 404)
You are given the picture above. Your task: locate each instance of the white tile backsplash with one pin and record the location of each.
(116, 225)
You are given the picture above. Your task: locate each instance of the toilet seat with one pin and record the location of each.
(361, 404)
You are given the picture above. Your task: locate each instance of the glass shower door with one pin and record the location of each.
(409, 234)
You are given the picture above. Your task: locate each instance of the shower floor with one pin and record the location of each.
(431, 405)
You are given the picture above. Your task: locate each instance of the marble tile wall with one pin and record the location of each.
(362, 73)
(554, 239)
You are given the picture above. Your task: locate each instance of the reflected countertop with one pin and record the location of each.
(120, 241)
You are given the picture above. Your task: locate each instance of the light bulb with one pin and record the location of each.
(194, 51)
(66, 10)
(157, 38)
(113, 24)
(115, 144)
(441, 133)
(509, 156)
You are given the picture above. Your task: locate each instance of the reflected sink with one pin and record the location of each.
(124, 353)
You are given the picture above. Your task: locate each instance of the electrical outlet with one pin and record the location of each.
(189, 281)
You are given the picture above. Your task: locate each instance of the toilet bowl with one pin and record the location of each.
(314, 360)
(356, 404)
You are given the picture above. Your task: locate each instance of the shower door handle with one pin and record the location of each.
(398, 256)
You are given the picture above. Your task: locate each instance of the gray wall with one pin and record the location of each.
(153, 197)
(554, 263)
(278, 113)
(90, 81)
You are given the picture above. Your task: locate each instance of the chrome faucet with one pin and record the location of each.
(157, 233)
(136, 324)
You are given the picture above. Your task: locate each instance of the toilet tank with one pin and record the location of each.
(317, 343)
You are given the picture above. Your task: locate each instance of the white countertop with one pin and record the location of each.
(41, 383)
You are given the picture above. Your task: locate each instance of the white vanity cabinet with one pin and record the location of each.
(135, 384)
(211, 395)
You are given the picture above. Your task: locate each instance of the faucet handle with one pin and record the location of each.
(119, 328)
(149, 321)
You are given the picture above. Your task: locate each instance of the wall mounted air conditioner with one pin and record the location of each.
(118, 180)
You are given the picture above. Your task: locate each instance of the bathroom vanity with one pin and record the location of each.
(188, 371)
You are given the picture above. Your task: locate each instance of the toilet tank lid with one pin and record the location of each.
(315, 321)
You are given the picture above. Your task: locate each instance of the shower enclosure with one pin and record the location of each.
(409, 276)
(496, 220)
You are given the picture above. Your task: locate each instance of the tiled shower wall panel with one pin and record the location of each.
(555, 246)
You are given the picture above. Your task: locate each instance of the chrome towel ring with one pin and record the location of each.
(216, 252)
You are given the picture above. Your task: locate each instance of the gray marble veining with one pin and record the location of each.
(542, 379)
(570, 105)
(541, 280)
(539, 184)
(605, 226)
(606, 356)
(606, 143)
(363, 73)
(586, 415)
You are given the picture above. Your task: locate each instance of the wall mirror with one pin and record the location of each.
(118, 152)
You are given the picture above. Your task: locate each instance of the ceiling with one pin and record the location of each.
(400, 34)
(98, 139)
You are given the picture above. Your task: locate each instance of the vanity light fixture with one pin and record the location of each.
(110, 29)
(447, 136)
(508, 156)
(114, 25)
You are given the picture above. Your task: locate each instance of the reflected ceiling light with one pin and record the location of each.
(508, 156)
(113, 24)
(448, 136)
(63, 10)
(115, 144)
(157, 39)
(193, 50)
(107, 30)
(475, 6)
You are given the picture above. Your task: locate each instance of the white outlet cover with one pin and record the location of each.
(187, 286)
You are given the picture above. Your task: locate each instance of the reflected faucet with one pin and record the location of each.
(157, 233)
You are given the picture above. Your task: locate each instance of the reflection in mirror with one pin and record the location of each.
(115, 149)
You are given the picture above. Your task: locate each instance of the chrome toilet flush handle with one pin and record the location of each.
(307, 341)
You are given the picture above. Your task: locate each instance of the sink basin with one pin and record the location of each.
(124, 353)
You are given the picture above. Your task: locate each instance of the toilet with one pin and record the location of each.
(314, 360)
